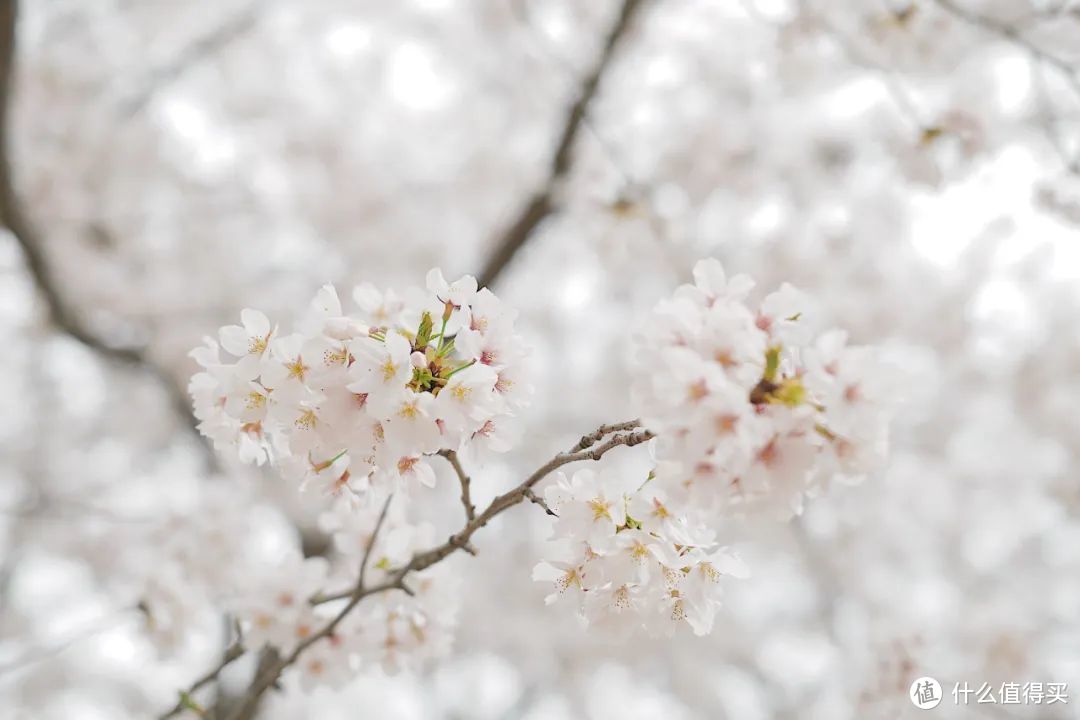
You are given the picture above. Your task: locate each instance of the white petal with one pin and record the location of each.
(235, 340)
(399, 348)
(255, 322)
(709, 276)
(436, 283)
(326, 301)
(731, 565)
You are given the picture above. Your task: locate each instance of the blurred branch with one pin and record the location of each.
(198, 51)
(38, 655)
(13, 216)
(1069, 71)
(1008, 32)
(186, 702)
(899, 94)
(423, 560)
(267, 676)
(542, 203)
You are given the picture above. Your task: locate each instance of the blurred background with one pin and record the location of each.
(913, 165)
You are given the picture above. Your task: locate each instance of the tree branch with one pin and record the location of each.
(466, 481)
(1069, 71)
(185, 702)
(371, 542)
(26, 235)
(542, 203)
(532, 497)
(426, 559)
(265, 678)
(587, 441)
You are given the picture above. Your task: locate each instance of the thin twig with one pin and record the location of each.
(371, 542)
(587, 441)
(542, 202)
(232, 653)
(426, 559)
(464, 479)
(37, 655)
(1012, 34)
(265, 679)
(13, 216)
(1068, 70)
(536, 499)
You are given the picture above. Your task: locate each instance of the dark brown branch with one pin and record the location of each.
(30, 242)
(542, 203)
(465, 480)
(426, 559)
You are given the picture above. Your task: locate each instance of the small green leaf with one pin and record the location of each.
(188, 703)
(772, 362)
(423, 334)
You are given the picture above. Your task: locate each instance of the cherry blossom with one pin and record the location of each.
(356, 400)
(753, 408)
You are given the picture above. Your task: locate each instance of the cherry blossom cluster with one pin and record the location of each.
(362, 399)
(754, 410)
(745, 409)
(623, 558)
(393, 629)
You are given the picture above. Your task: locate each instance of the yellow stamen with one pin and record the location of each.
(600, 509)
(297, 369)
(388, 370)
(307, 420)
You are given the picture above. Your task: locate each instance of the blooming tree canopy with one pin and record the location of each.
(609, 477)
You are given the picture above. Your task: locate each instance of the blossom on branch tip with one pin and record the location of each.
(753, 408)
(367, 394)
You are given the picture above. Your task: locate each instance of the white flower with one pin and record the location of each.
(414, 469)
(591, 506)
(275, 609)
(660, 573)
(749, 411)
(357, 402)
(467, 400)
(410, 423)
(497, 434)
(285, 368)
(459, 294)
(378, 309)
(568, 578)
(712, 283)
(329, 662)
(381, 370)
(247, 401)
(783, 316)
(248, 342)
